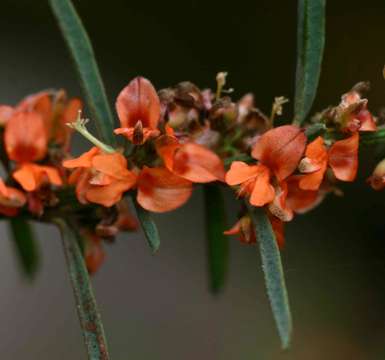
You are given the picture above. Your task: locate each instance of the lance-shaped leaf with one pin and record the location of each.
(273, 272)
(87, 308)
(149, 227)
(310, 46)
(83, 55)
(217, 242)
(25, 245)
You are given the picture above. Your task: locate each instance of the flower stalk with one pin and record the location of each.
(80, 126)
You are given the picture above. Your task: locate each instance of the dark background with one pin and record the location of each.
(159, 307)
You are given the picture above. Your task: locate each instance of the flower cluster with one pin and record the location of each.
(35, 142)
(169, 141)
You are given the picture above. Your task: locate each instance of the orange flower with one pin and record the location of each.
(279, 151)
(25, 137)
(64, 111)
(353, 115)
(11, 200)
(314, 164)
(32, 176)
(138, 108)
(342, 158)
(26, 142)
(246, 234)
(190, 161)
(159, 190)
(100, 178)
(56, 110)
(300, 200)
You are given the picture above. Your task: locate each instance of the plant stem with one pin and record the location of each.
(89, 316)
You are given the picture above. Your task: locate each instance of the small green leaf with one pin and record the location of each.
(83, 55)
(217, 242)
(89, 315)
(149, 227)
(26, 245)
(310, 42)
(273, 271)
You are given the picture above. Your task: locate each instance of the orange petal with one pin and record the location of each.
(166, 146)
(84, 160)
(300, 200)
(6, 113)
(159, 190)
(83, 177)
(114, 165)
(316, 150)
(244, 228)
(198, 164)
(32, 176)
(108, 195)
(25, 137)
(3, 188)
(12, 198)
(94, 253)
(315, 163)
(130, 134)
(52, 175)
(240, 172)
(313, 180)
(343, 158)
(281, 149)
(235, 230)
(38, 100)
(71, 111)
(41, 103)
(263, 193)
(138, 101)
(61, 133)
(26, 177)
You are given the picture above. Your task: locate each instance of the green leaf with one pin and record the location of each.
(310, 42)
(273, 271)
(218, 245)
(83, 55)
(149, 227)
(25, 244)
(89, 316)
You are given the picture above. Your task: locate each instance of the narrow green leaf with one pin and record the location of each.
(273, 271)
(217, 242)
(25, 244)
(310, 43)
(149, 227)
(89, 316)
(83, 55)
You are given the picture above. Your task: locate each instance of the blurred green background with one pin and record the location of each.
(159, 307)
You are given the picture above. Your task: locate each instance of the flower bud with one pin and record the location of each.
(377, 180)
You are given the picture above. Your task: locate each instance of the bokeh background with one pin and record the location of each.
(158, 307)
